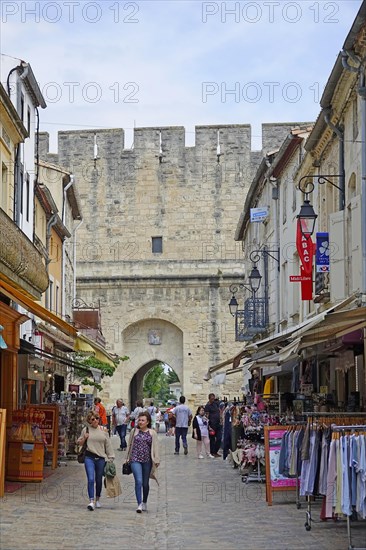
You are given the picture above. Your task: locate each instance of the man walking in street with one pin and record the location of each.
(183, 417)
(212, 410)
(121, 416)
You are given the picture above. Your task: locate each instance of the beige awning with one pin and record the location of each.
(335, 325)
(297, 330)
(287, 353)
(82, 343)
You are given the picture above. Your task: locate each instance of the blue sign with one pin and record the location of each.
(322, 253)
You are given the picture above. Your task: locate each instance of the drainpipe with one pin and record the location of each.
(74, 260)
(338, 130)
(275, 196)
(63, 292)
(360, 69)
(51, 222)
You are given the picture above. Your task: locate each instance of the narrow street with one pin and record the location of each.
(198, 504)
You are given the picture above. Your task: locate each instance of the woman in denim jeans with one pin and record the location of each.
(143, 455)
(98, 450)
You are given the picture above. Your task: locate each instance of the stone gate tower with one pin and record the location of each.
(157, 249)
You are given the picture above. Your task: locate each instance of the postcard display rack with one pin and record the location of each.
(77, 409)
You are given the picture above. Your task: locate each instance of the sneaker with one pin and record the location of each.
(185, 450)
(210, 456)
(139, 509)
(98, 504)
(176, 453)
(200, 456)
(144, 507)
(91, 506)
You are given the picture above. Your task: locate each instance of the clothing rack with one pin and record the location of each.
(328, 416)
(343, 429)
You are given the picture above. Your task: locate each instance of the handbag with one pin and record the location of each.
(211, 432)
(126, 469)
(81, 454)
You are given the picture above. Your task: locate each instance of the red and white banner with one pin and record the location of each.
(306, 249)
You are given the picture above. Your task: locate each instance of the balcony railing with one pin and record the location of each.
(251, 320)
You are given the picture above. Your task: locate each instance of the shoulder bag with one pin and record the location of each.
(81, 454)
(126, 467)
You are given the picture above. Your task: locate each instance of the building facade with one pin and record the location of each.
(156, 250)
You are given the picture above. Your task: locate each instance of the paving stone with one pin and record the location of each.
(198, 504)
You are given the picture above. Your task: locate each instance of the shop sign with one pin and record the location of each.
(258, 214)
(299, 278)
(322, 252)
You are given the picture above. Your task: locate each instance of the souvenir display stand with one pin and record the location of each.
(25, 447)
(76, 410)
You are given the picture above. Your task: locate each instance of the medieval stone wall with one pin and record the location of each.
(191, 198)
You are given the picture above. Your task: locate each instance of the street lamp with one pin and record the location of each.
(233, 304)
(255, 256)
(307, 216)
(255, 279)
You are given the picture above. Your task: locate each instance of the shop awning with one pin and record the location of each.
(296, 331)
(35, 308)
(284, 368)
(335, 325)
(82, 343)
(232, 361)
(287, 353)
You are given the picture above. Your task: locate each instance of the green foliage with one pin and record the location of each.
(156, 383)
(90, 382)
(153, 381)
(172, 376)
(105, 368)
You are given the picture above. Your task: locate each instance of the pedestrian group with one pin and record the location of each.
(143, 448)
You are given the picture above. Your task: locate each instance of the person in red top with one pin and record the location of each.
(100, 409)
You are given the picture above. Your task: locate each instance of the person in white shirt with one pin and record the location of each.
(200, 433)
(120, 419)
(152, 412)
(183, 417)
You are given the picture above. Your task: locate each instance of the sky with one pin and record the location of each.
(176, 63)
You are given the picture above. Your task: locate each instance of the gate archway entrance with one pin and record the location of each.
(148, 343)
(136, 385)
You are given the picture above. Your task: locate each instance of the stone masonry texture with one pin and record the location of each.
(191, 199)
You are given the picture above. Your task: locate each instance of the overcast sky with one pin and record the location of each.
(165, 63)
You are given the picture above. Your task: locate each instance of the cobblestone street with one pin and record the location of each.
(198, 504)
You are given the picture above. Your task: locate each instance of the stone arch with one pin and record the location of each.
(136, 384)
(146, 343)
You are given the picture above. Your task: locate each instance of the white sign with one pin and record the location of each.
(258, 214)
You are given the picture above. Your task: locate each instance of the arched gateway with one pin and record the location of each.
(156, 248)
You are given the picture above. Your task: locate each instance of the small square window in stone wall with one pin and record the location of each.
(157, 245)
